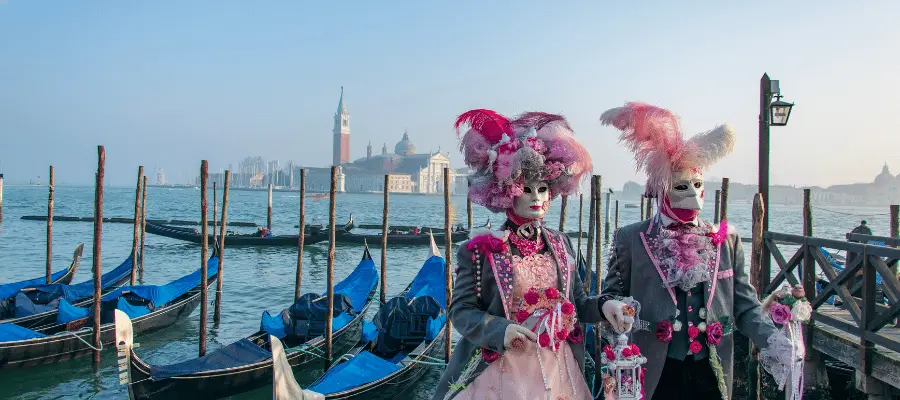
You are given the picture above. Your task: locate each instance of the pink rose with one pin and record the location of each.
(714, 333)
(610, 355)
(696, 347)
(489, 356)
(626, 352)
(551, 293)
(568, 308)
(781, 313)
(532, 297)
(693, 331)
(522, 315)
(576, 335)
(544, 339)
(664, 331)
(561, 335)
(635, 349)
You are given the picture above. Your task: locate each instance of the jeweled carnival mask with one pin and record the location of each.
(533, 203)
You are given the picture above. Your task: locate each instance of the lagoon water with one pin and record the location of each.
(261, 279)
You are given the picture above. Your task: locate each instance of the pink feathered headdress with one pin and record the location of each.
(654, 135)
(504, 154)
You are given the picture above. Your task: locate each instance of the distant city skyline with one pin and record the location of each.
(171, 83)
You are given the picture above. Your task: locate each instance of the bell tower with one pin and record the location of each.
(341, 133)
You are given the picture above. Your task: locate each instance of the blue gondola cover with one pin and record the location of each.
(8, 290)
(13, 332)
(365, 367)
(45, 294)
(156, 295)
(242, 352)
(306, 317)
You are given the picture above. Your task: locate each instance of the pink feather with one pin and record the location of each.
(488, 123)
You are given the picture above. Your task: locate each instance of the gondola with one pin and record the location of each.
(152, 307)
(8, 290)
(404, 340)
(313, 235)
(247, 364)
(407, 238)
(37, 305)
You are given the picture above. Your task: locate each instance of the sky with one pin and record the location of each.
(169, 83)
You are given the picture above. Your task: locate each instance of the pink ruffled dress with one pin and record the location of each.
(531, 372)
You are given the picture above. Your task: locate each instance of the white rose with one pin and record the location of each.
(801, 311)
(702, 313)
(677, 326)
(702, 327)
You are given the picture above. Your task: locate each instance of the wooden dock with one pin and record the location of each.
(863, 330)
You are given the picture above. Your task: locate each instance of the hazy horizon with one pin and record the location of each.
(171, 83)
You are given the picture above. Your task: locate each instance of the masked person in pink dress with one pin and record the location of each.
(518, 301)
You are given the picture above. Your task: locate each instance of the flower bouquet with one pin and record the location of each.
(786, 350)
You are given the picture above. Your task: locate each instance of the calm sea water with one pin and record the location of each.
(259, 279)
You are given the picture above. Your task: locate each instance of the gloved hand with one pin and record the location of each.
(613, 310)
(516, 331)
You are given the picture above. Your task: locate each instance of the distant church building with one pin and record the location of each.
(341, 133)
(410, 172)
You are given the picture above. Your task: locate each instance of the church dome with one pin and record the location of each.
(885, 176)
(404, 147)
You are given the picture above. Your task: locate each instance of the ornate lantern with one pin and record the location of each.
(624, 364)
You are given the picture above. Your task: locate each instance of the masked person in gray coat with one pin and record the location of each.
(518, 302)
(688, 275)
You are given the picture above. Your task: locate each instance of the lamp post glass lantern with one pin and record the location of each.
(779, 112)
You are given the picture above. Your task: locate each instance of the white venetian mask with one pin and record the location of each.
(532, 204)
(687, 190)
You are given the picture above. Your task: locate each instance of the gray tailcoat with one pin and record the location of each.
(632, 272)
(482, 321)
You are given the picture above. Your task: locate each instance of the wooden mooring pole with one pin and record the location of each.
(135, 241)
(204, 249)
(616, 226)
(562, 214)
(723, 207)
(754, 385)
(298, 280)
(215, 211)
(642, 208)
(143, 224)
(580, 219)
(589, 252)
(217, 314)
(1, 197)
(384, 234)
(598, 250)
(269, 211)
(50, 228)
(716, 208)
(606, 217)
(895, 220)
(649, 212)
(330, 276)
(98, 238)
(469, 211)
(448, 262)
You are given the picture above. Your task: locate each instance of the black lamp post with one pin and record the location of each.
(770, 113)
